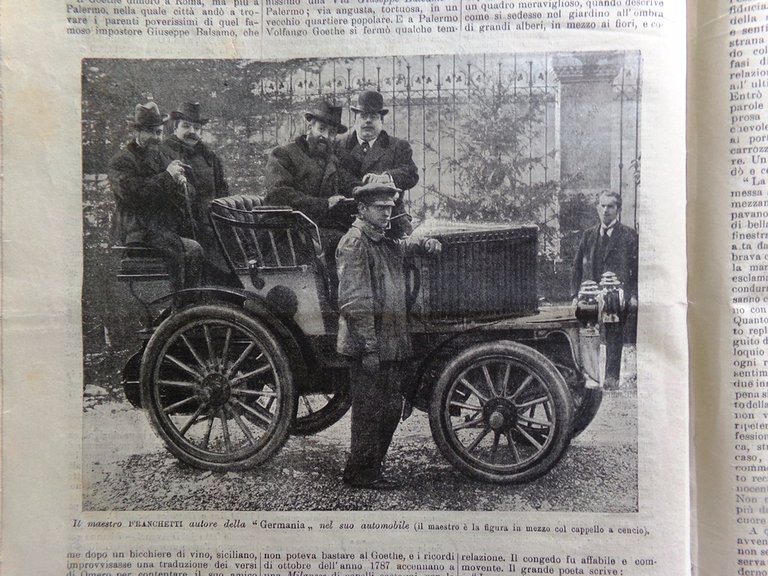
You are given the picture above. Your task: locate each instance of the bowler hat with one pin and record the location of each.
(328, 114)
(146, 116)
(370, 102)
(375, 193)
(189, 111)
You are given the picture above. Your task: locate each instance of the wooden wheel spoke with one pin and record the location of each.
(183, 366)
(207, 438)
(512, 447)
(469, 423)
(258, 414)
(466, 406)
(534, 421)
(489, 381)
(505, 379)
(238, 419)
(179, 404)
(307, 404)
(225, 430)
(252, 373)
(478, 439)
(495, 446)
(533, 402)
(192, 420)
(209, 344)
(243, 356)
(195, 355)
(225, 349)
(523, 386)
(474, 390)
(530, 438)
(178, 384)
(254, 393)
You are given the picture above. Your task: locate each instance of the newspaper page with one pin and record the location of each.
(189, 190)
(728, 320)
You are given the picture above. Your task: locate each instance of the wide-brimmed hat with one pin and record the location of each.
(375, 193)
(327, 113)
(189, 111)
(370, 102)
(146, 116)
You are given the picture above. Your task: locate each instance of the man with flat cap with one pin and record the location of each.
(205, 181)
(149, 193)
(372, 155)
(305, 176)
(373, 330)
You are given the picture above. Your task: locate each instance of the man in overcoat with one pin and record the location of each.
(373, 330)
(610, 246)
(372, 155)
(205, 181)
(150, 199)
(305, 175)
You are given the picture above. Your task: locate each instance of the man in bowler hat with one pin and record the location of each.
(373, 330)
(151, 204)
(372, 155)
(205, 181)
(610, 246)
(305, 175)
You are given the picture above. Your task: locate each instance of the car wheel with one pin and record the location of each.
(218, 387)
(317, 411)
(501, 412)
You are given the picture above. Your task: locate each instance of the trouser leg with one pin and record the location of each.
(376, 408)
(183, 257)
(614, 344)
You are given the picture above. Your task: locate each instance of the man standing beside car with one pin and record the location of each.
(373, 156)
(205, 182)
(373, 330)
(151, 204)
(610, 246)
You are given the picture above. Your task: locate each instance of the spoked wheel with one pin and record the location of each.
(316, 412)
(501, 412)
(218, 388)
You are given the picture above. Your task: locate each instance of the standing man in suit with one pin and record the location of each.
(205, 182)
(373, 156)
(609, 247)
(150, 197)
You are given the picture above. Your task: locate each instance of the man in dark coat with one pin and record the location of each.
(205, 182)
(373, 330)
(609, 247)
(305, 175)
(372, 155)
(151, 205)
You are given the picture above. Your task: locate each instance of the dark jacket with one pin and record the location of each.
(296, 179)
(206, 175)
(619, 257)
(372, 294)
(388, 154)
(147, 198)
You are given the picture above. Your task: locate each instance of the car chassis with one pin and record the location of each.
(227, 373)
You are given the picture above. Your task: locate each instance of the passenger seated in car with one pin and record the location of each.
(152, 207)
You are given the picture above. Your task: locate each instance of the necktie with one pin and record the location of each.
(365, 146)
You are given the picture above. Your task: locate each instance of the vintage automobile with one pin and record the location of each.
(227, 375)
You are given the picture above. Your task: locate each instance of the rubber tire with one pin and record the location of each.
(275, 437)
(529, 359)
(324, 418)
(586, 410)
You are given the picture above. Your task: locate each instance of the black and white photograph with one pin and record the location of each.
(368, 283)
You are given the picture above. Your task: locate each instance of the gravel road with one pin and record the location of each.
(125, 467)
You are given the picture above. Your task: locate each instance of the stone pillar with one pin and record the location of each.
(588, 126)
